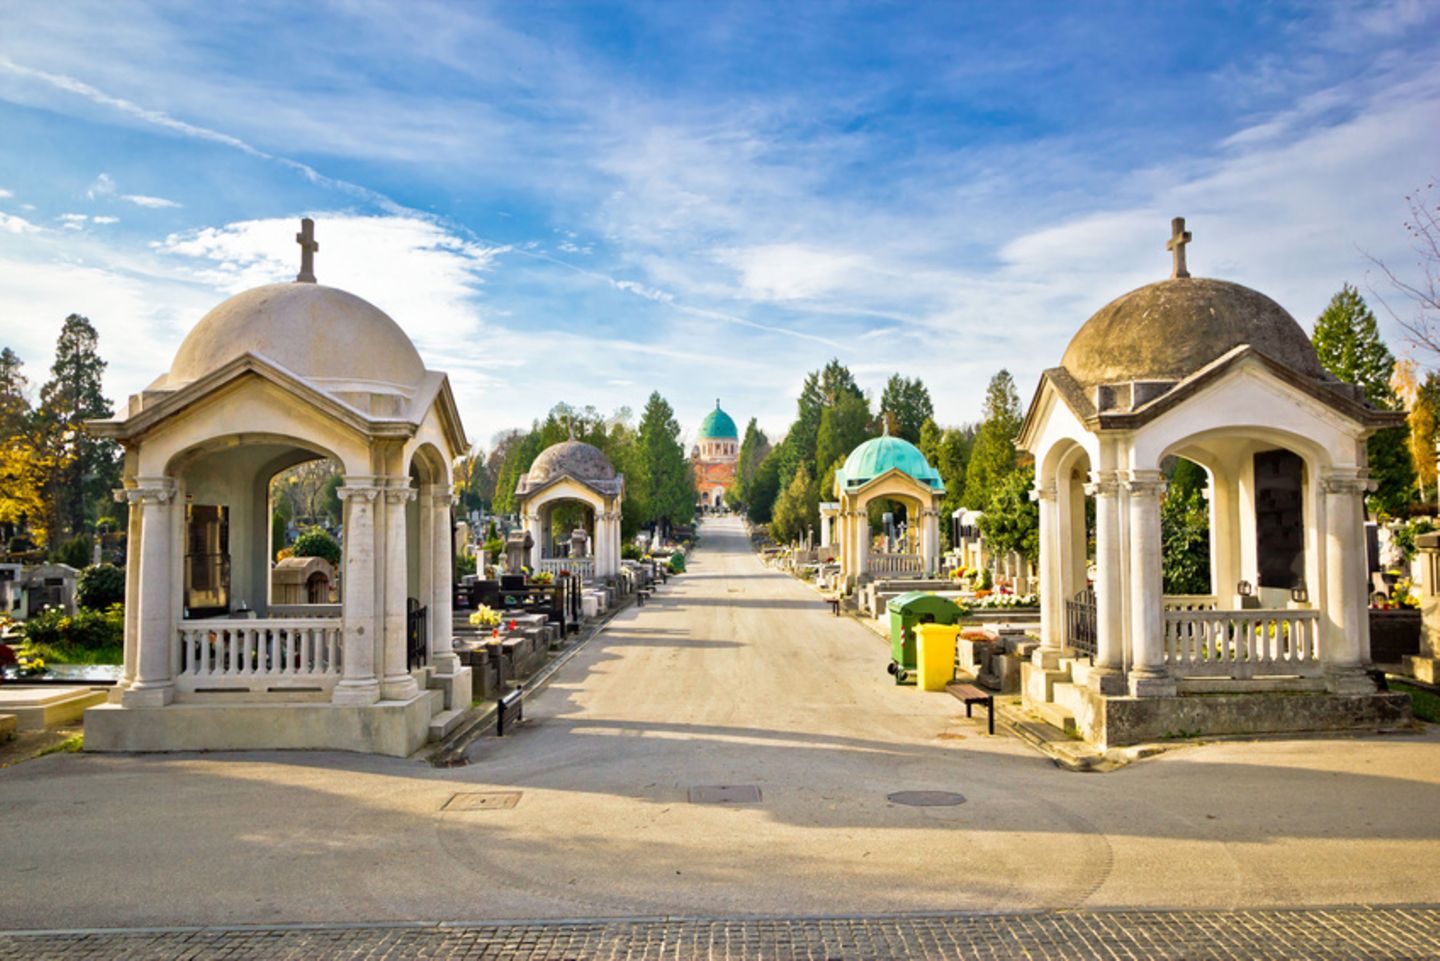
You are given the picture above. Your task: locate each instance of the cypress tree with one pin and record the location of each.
(994, 457)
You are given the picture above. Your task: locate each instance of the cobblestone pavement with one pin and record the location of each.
(1313, 935)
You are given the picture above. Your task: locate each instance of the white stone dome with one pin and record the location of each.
(323, 334)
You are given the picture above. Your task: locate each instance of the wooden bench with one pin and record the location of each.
(510, 711)
(834, 603)
(973, 695)
(641, 596)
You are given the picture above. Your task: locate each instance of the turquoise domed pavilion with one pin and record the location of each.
(889, 468)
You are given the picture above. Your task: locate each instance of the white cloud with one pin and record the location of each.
(104, 220)
(103, 186)
(4, 194)
(9, 223)
(74, 218)
(140, 200)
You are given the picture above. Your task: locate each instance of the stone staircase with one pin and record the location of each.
(1062, 699)
(449, 697)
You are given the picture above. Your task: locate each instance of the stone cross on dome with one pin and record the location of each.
(1179, 237)
(306, 239)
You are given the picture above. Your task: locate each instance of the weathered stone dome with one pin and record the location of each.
(325, 335)
(576, 458)
(1168, 330)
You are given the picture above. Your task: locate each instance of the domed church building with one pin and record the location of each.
(1222, 376)
(714, 455)
(271, 378)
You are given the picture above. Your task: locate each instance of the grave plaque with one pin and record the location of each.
(1279, 518)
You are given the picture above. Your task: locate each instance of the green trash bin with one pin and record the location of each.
(906, 611)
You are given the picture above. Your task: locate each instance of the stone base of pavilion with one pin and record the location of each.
(394, 728)
(1423, 669)
(1211, 708)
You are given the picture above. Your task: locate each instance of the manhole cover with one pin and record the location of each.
(926, 799)
(725, 794)
(488, 801)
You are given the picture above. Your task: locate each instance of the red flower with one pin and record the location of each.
(7, 656)
(512, 625)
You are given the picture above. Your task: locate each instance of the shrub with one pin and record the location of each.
(464, 565)
(99, 586)
(630, 552)
(87, 637)
(493, 548)
(317, 542)
(75, 551)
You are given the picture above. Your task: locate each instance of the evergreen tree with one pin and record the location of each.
(797, 509)
(947, 451)
(14, 405)
(1347, 341)
(994, 457)
(667, 481)
(908, 403)
(844, 425)
(1010, 520)
(80, 488)
(753, 449)
(1185, 531)
(764, 489)
(821, 389)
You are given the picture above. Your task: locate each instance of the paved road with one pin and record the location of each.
(731, 676)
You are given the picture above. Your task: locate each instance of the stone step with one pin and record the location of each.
(1080, 669)
(1067, 695)
(1057, 717)
(446, 721)
(1051, 679)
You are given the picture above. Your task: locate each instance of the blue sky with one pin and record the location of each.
(587, 201)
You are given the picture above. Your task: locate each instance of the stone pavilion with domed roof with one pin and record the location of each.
(577, 473)
(1220, 375)
(271, 378)
(716, 450)
(885, 468)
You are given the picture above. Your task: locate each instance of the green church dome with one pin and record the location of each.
(880, 454)
(717, 425)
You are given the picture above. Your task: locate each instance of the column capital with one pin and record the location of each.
(1347, 482)
(148, 490)
(1045, 493)
(1145, 483)
(1103, 483)
(399, 495)
(365, 492)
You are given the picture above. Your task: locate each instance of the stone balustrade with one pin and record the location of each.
(584, 566)
(1191, 602)
(258, 655)
(880, 564)
(1242, 644)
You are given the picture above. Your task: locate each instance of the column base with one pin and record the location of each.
(1046, 658)
(398, 687)
(1348, 680)
(1106, 680)
(356, 693)
(447, 663)
(141, 694)
(1424, 668)
(1151, 685)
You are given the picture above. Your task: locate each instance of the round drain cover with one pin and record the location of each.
(926, 799)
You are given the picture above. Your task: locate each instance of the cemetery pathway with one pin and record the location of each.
(738, 677)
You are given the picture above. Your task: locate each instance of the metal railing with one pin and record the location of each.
(1081, 624)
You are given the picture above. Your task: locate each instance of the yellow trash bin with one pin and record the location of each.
(935, 655)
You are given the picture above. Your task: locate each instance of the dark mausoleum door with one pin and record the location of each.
(1280, 518)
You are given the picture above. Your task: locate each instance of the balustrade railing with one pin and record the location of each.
(258, 655)
(584, 566)
(879, 563)
(1242, 644)
(1191, 602)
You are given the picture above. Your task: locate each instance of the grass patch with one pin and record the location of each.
(71, 745)
(75, 654)
(1426, 704)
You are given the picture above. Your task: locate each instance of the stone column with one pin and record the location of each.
(531, 521)
(442, 584)
(358, 600)
(1345, 640)
(397, 684)
(862, 542)
(132, 588)
(612, 542)
(156, 638)
(1108, 676)
(1052, 596)
(930, 539)
(1149, 675)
